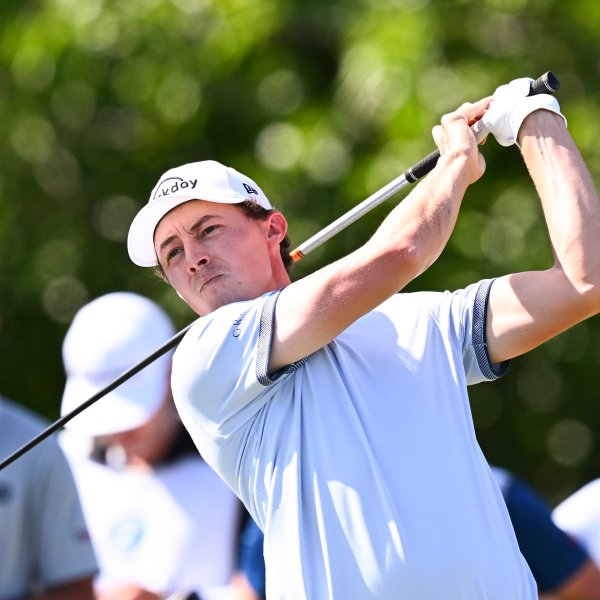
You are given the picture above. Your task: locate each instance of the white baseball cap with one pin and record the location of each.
(205, 180)
(107, 337)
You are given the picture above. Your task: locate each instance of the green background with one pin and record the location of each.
(322, 103)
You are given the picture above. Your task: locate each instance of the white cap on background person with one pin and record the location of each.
(206, 180)
(107, 337)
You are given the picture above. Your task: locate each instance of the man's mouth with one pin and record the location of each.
(207, 280)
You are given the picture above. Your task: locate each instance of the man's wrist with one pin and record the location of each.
(540, 122)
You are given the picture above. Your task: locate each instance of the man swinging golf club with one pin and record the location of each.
(337, 408)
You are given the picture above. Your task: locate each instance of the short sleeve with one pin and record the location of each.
(220, 378)
(471, 305)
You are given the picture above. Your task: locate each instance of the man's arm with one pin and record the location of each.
(526, 309)
(314, 310)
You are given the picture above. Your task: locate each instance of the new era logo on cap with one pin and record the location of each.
(250, 189)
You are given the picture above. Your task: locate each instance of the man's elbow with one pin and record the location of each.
(588, 292)
(411, 259)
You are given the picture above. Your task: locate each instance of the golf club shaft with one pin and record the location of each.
(547, 83)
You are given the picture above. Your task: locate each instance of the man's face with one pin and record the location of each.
(214, 254)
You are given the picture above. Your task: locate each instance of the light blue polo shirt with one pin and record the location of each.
(360, 463)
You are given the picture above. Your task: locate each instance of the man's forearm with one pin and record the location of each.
(421, 225)
(568, 196)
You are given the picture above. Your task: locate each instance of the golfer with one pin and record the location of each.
(335, 407)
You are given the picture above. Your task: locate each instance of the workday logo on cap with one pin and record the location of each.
(208, 180)
(172, 185)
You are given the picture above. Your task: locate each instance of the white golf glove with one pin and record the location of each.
(509, 107)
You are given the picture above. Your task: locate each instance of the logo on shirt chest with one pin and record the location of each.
(237, 324)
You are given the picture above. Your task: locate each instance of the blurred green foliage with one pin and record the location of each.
(322, 102)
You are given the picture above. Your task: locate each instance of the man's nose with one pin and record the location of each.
(197, 258)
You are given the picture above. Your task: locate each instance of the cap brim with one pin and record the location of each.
(127, 407)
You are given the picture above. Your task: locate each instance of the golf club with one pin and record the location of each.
(547, 83)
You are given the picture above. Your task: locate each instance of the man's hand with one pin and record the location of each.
(510, 105)
(454, 138)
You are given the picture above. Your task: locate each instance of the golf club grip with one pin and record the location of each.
(547, 83)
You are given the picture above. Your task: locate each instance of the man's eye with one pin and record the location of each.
(209, 229)
(172, 253)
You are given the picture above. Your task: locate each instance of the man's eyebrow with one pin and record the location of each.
(197, 225)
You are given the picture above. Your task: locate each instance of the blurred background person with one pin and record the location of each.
(249, 581)
(162, 522)
(579, 515)
(45, 550)
(562, 568)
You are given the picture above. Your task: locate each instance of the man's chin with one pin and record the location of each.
(213, 297)
(204, 306)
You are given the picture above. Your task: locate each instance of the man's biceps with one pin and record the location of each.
(293, 315)
(507, 320)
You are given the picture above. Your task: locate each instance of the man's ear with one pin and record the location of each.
(278, 227)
